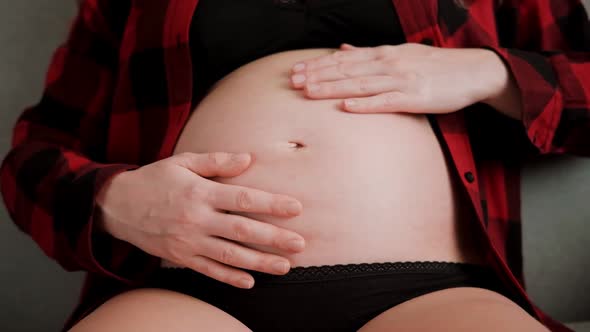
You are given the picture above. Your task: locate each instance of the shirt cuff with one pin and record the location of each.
(542, 100)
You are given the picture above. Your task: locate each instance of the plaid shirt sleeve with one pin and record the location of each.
(555, 82)
(56, 166)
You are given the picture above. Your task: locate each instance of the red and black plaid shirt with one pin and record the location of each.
(118, 93)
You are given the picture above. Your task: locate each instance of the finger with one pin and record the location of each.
(354, 55)
(243, 199)
(220, 272)
(242, 229)
(383, 103)
(346, 46)
(214, 163)
(233, 254)
(339, 71)
(355, 87)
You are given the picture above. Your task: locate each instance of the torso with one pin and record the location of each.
(374, 187)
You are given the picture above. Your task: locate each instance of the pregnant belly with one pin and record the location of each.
(374, 187)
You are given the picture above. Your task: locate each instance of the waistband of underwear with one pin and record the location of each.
(302, 273)
(345, 271)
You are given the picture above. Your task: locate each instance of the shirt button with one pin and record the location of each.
(469, 177)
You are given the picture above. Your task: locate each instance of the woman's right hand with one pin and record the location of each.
(170, 209)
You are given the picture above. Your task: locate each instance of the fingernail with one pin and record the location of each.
(240, 157)
(246, 283)
(299, 78)
(281, 267)
(350, 103)
(296, 244)
(298, 67)
(293, 207)
(313, 87)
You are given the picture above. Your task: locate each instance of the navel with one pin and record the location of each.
(295, 145)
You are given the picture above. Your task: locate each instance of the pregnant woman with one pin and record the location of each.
(284, 184)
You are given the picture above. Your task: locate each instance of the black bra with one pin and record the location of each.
(226, 34)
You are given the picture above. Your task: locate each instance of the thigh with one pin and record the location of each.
(456, 309)
(156, 310)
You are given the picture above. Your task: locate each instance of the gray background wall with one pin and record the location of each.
(36, 295)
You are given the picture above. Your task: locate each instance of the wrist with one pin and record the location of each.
(495, 75)
(104, 220)
(503, 93)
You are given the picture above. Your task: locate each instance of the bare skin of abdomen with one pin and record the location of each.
(374, 187)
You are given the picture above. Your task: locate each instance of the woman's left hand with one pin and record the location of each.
(410, 78)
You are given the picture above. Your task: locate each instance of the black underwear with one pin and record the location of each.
(326, 298)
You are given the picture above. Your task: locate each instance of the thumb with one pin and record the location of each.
(214, 164)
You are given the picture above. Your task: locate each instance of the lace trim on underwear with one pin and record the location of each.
(345, 270)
